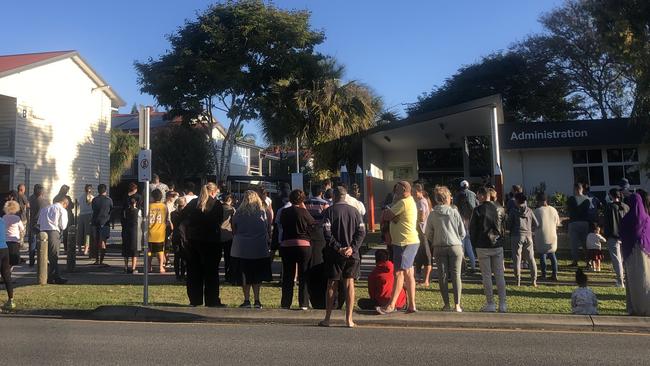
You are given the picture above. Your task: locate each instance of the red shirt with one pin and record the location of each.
(380, 285)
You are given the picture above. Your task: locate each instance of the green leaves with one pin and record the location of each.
(124, 148)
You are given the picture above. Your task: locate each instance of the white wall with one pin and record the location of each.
(529, 168)
(65, 137)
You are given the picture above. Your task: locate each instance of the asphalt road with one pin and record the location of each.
(30, 341)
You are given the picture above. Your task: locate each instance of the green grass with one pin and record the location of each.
(524, 299)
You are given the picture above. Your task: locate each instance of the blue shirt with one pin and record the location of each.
(3, 234)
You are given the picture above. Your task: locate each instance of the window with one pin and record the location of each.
(607, 167)
(480, 155)
(440, 160)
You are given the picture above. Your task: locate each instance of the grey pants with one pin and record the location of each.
(490, 260)
(524, 243)
(450, 261)
(53, 247)
(578, 232)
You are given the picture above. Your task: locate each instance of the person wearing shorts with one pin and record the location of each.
(158, 222)
(405, 241)
(102, 206)
(344, 232)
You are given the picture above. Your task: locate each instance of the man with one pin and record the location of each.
(613, 215)
(53, 220)
(156, 184)
(344, 232)
(625, 189)
(403, 215)
(487, 230)
(578, 209)
(102, 206)
(23, 202)
(522, 222)
(356, 204)
(511, 203)
(37, 201)
(327, 188)
(189, 192)
(466, 202)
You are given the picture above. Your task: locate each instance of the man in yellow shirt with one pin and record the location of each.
(403, 216)
(158, 221)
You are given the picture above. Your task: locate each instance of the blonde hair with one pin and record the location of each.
(206, 190)
(441, 195)
(251, 203)
(492, 194)
(11, 207)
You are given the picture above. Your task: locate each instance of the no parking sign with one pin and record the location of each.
(144, 166)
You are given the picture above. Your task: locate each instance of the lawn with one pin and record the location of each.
(525, 299)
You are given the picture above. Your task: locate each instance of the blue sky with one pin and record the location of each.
(398, 48)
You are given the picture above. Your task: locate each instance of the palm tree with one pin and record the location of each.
(124, 148)
(245, 137)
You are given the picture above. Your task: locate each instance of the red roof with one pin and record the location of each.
(11, 62)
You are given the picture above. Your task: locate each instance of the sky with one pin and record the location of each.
(400, 49)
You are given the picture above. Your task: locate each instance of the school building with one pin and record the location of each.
(472, 141)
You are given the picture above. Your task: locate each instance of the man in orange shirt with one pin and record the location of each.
(158, 221)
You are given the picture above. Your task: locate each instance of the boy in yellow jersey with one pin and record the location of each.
(158, 221)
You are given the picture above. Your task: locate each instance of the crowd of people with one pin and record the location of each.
(319, 239)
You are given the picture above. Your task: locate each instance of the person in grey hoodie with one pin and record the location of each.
(522, 222)
(445, 231)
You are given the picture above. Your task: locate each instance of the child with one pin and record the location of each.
(380, 284)
(15, 230)
(132, 234)
(5, 268)
(594, 245)
(158, 221)
(583, 300)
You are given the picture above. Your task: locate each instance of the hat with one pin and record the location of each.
(464, 184)
(624, 184)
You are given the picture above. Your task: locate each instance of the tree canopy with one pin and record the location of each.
(124, 148)
(179, 152)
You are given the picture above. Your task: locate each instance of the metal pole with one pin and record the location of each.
(145, 221)
(297, 156)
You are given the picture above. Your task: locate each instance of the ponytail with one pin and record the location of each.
(205, 195)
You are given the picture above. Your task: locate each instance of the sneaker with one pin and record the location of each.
(257, 305)
(446, 308)
(620, 284)
(304, 308)
(245, 305)
(503, 308)
(9, 305)
(489, 308)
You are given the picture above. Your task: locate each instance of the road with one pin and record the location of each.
(32, 341)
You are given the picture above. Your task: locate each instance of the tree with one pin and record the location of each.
(227, 60)
(624, 27)
(134, 109)
(245, 137)
(574, 48)
(530, 89)
(124, 148)
(180, 152)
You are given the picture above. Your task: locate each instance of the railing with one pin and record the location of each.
(7, 142)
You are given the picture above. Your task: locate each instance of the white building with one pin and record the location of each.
(54, 122)
(472, 141)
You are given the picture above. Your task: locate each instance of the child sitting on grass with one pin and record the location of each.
(583, 300)
(594, 246)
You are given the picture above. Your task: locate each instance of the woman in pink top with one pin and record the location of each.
(14, 231)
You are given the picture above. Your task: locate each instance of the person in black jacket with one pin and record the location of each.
(614, 212)
(578, 209)
(487, 232)
(202, 218)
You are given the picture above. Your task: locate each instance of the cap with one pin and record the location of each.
(624, 184)
(464, 184)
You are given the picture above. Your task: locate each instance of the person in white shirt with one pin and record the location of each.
(189, 192)
(52, 220)
(157, 184)
(583, 300)
(356, 204)
(594, 243)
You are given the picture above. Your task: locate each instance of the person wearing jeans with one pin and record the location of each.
(613, 215)
(522, 221)
(487, 230)
(546, 234)
(445, 230)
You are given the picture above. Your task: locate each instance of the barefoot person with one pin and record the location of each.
(403, 216)
(344, 232)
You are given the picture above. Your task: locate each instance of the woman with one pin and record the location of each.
(203, 217)
(295, 249)
(445, 231)
(131, 234)
(545, 239)
(84, 229)
(63, 192)
(15, 231)
(635, 247)
(250, 247)
(178, 239)
(5, 268)
(227, 235)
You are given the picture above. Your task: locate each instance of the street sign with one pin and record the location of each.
(144, 166)
(296, 181)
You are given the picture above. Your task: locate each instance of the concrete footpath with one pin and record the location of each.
(422, 319)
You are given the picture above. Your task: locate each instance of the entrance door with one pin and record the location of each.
(5, 178)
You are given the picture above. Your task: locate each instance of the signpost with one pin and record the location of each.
(144, 176)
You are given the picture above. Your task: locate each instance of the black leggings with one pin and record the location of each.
(5, 268)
